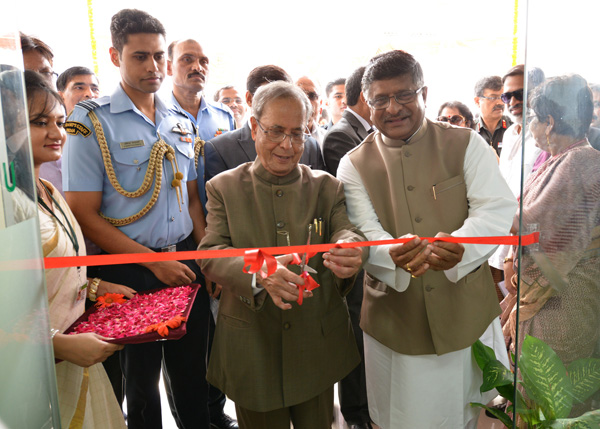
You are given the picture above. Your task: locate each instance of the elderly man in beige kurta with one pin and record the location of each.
(276, 359)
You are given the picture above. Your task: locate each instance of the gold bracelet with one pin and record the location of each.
(508, 260)
(93, 289)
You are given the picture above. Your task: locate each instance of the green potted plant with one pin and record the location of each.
(551, 389)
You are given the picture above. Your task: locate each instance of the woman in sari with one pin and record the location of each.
(560, 296)
(86, 398)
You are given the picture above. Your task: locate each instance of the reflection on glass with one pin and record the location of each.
(559, 300)
(28, 396)
(17, 189)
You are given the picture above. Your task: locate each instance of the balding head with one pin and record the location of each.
(311, 90)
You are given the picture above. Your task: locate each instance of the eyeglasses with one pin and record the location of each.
(495, 98)
(530, 118)
(50, 74)
(401, 98)
(518, 94)
(453, 119)
(277, 136)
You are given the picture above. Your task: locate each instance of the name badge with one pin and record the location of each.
(133, 143)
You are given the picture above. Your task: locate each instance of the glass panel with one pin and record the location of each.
(559, 279)
(28, 396)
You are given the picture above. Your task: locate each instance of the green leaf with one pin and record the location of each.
(495, 374)
(585, 377)
(482, 354)
(589, 420)
(522, 405)
(500, 415)
(507, 392)
(545, 378)
(530, 412)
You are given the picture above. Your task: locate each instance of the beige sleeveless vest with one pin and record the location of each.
(419, 188)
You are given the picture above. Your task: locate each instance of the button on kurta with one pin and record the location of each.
(286, 326)
(418, 219)
(172, 219)
(428, 288)
(280, 224)
(407, 154)
(279, 193)
(410, 187)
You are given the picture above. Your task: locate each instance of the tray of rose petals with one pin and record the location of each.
(153, 315)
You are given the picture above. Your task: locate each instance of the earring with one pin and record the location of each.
(548, 140)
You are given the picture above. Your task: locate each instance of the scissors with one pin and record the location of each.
(303, 266)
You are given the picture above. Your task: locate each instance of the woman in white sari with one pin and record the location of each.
(86, 398)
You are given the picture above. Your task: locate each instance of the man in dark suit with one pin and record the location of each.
(234, 148)
(336, 100)
(354, 126)
(346, 134)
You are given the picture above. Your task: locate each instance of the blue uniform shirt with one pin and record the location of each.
(130, 136)
(212, 120)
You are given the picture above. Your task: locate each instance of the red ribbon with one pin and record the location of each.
(136, 258)
(309, 284)
(296, 259)
(254, 260)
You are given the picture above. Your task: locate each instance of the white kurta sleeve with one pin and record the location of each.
(362, 214)
(491, 206)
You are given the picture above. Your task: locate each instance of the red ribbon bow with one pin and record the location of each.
(254, 260)
(309, 284)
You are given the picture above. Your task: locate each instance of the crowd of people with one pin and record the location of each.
(393, 325)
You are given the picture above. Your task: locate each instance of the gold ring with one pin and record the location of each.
(414, 277)
(409, 269)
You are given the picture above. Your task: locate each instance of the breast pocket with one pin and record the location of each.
(454, 187)
(185, 157)
(130, 165)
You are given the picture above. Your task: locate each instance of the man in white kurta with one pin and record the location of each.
(514, 161)
(424, 303)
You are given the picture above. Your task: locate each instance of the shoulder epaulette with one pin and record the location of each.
(88, 105)
(180, 112)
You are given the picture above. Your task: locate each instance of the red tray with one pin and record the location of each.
(174, 334)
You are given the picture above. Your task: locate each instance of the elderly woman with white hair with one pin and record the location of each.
(560, 296)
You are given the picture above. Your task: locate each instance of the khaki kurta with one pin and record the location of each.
(265, 358)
